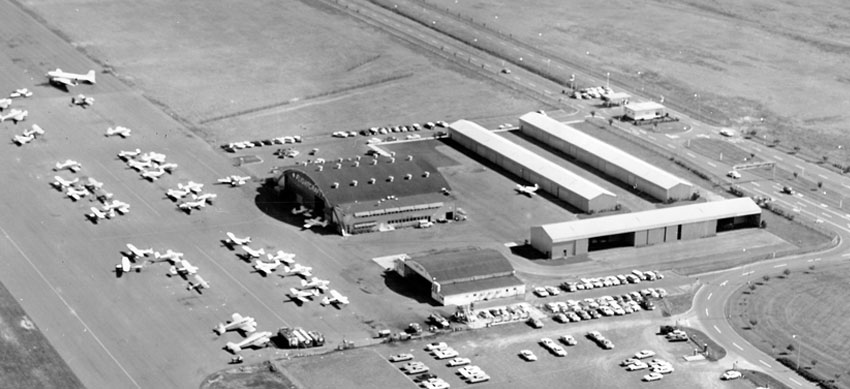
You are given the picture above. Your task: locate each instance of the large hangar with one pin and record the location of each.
(645, 228)
(612, 161)
(372, 194)
(552, 178)
(464, 277)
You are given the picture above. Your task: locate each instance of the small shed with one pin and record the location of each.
(644, 111)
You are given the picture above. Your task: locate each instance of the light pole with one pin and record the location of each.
(699, 107)
(640, 75)
(607, 79)
(797, 364)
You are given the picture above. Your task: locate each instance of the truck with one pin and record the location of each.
(299, 338)
(438, 320)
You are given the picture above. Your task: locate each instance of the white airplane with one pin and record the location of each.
(251, 253)
(183, 267)
(256, 339)
(302, 295)
(239, 323)
(316, 284)
(192, 186)
(70, 79)
(188, 206)
(23, 92)
(297, 269)
(208, 197)
(153, 156)
(91, 184)
(5, 103)
(301, 209)
(335, 298)
(125, 267)
(233, 240)
(282, 256)
(36, 130)
(235, 180)
(69, 164)
(527, 190)
(62, 183)
(128, 155)
(118, 206)
(316, 221)
(97, 214)
(139, 165)
(169, 255)
(265, 268)
(16, 115)
(168, 167)
(153, 175)
(177, 194)
(104, 196)
(82, 100)
(137, 252)
(76, 193)
(21, 140)
(118, 130)
(198, 284)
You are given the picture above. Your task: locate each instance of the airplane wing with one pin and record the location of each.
(236, 317)
(249, 327)
(63, 81)
(125, 264)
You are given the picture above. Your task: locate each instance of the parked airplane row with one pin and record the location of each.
(135, 259)
(150, 165)
(193, 189)
(77, 189)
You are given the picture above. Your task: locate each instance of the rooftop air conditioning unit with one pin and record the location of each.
(335, 185)
(321, 167)
(356, 163)
(390, 178)
(426, 174)
(408, 176)
(409, 158)
(372, 180)
(338, 166)
(353, 182)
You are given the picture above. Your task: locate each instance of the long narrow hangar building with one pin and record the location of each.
(372, 194)
(616, 163)
(644, 228)
(552, 178)
(464, 277)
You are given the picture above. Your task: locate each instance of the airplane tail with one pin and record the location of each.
(235, 348)
(90, 77)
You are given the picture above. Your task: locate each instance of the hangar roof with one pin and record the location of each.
(609, 153)
(628, 222)
(449, 267)
(542, 166)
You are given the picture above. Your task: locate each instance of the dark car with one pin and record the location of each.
(424, 377)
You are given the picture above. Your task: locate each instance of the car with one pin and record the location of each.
(573, 316)
(416, 369)
(506, 71)
(629, 361)
(648, 305)
(401, 357)
(727, 132)
(788, 190)
(459, 361)
(424, 377)
(558, 350)
(584, 315)
(469, 371)
(731, 375)
(445, 353)
(436, 346)
(528, 355)
(553, 291)
(652, 377)
(643, 354)
(478, 378)
(607, 344)
(541, 292)
(663, 369)
(435, 383)
(568, 340)
(535, 323)
(547, 342)
(636, 366)
(561, 318)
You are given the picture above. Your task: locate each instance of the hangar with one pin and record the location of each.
(552, 178)
(645, 228)
(372, 194)
(616, 163)
(464, 277)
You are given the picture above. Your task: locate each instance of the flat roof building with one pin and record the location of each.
(644, 110)
(605, 158)
(551, 177)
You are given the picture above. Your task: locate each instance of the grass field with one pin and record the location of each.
(810, 304)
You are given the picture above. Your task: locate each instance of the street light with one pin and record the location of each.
(608, 79)
(798, 351)
(640, 75)
(699, 107)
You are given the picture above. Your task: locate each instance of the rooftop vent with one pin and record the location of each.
(426, 174)
(335, 185)
(356, 163)
(408, 176)
(338, 166)
(353, 182)
(409, 158)
(390, 178)
(392, 160)
(372, 180)
(375, 161)
(321, 167)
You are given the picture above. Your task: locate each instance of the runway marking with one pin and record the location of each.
(70, 309)
(717, 329)
(650, 137)
(777, 157)
(755, 183)
(242, 285)
(748, 273)
(799, 167)
(711, 164)
(671, 146)
(709, 296)
(823, 176)
(690, 154)
(845, 255)
(764, 363)
(531, 84)
(736, 345)
(780, 265)
(706, 311)
(795, 381)
(826, 214)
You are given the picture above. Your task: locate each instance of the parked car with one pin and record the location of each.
(652, 377)
(731, 375)
(528, 355)
(459, 361)
(568, 340)
(401, 357)
(643, 354)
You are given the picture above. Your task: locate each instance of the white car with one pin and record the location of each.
(733, 174)
(637, 366)
(541, 292)
(401, 357)
(445, 353)
(568, 340)
(436, 346)
(528, 355)
(553, 291)
(436, 383)
(459, 361)
(558, 350)
(662, 369)
(731, 375)
(652, 377)
(478, 378)
(548, 343)
(644, 354)
(469, 371)
(416, 369)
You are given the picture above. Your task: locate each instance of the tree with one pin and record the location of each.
(814, 362)
(820, 184)
(752, 286)
(763, 224)
(825, 158)
(593, 114)
(786, 272)
(753, 322)
(795, 174)
(797, 149)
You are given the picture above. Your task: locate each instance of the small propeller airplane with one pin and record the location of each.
(168, 167)
(301, 209)
(252, 253)
(302, 296)
(315, 284)
(69, 164)
(66, 79)
(5, 103)
(97, 214)
(169, 255)
(117, 206)
(256, 339)
(192, 186)
(139, 165)
(92, 184)
(233, 240)
(21, 140)
(76, 193)
(136, 252)
(313, 222)
(102, 195)
(16, 115)
(234, 180)
(265, 268)
(198, 283)
(118, 130)
(183, 267)
(177, 194)
(527, 190)
(188, 206)
(297, 269)
(128, 155)
(282, 256)
(36, 130)
(126, 266)
(246, 324)
(335, 298)
(62, 183)
(153, 175)
(82, 100)
(153, 157)
(23, 92)
(208, 197)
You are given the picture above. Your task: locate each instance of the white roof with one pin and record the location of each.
(617, 95)
(520, 155)
(645, 220)
(611, 154)
(644, 106)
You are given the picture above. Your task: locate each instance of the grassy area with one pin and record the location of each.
(263, 375)
(700, 340)
(28, 360)
(762, 380)
(721, 150)
(810, 304)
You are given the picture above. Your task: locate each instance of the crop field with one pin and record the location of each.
(810, 304)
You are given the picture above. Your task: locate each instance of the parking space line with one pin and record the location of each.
(709, 296)
(531, 84)
(780, 265)
(764, 363)
(711, 164)
(823, 176)
(650, 137)
(826, 214)
(799, 167)
(736, 345)
(717, 329)
(777, 157)
(691, 154)
(671, 146)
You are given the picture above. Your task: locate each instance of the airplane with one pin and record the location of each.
(280, 255)
(91, 184)
(335, 298)
(183, 267)
(119, 206)
(233, 240)
(256, 339)
(62, 183)
(301, 209)
(153, 175)
(208, 197)
(118, 130)
(297, 269)
(302, 296)
(82, 100)
(36, 130)
(125, 267)
(316, 284)
(97, 214)
(76, 193)
(169, 255)
(192, 186)
(527, 190)
(265, 268)
(128, 155)
(251, 253)
(235, 180)
(21, 140)
(103, 196)
(70, 79)
(23, 92)
(317, 221)
(198, 284)
(177, 194)
(69, 164)
(168, 167)
(152, 157)
(5, 103)
(137, 252)
(189, 205)
(239, 323)
(139, 165)
(16, 115)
